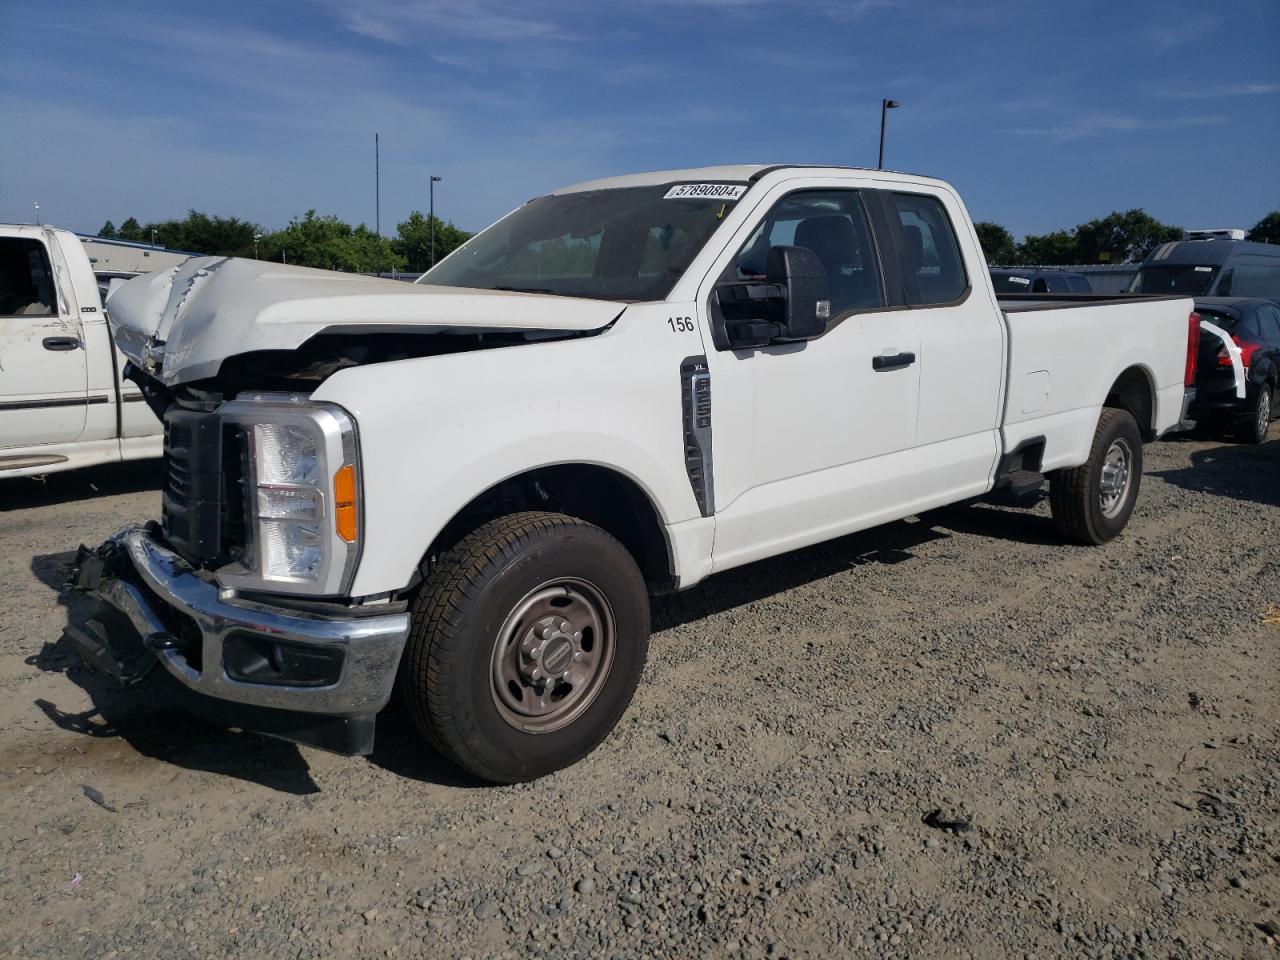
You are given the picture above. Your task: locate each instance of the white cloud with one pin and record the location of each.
(404, 21)
(1223, 90)
(1175, 33)
(1099, 124)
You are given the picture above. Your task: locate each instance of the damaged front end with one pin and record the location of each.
(181, 326)
(305, 674)
(240, 593)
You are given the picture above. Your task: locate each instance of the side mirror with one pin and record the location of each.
(801, 275)
(791, 304)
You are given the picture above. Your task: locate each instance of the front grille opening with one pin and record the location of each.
(203, 495)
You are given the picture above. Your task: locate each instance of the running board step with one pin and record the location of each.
(1019, 488)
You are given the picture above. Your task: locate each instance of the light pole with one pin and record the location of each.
(153, 236)
(431, 218)
(885, 107)
(256, 238)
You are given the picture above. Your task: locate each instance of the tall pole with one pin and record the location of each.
(431, 218)
(885, 107)
(377, 188)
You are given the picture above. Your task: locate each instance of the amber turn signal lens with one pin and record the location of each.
(345, 517)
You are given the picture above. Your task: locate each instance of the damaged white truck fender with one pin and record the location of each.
(472, 484)
(64, 401)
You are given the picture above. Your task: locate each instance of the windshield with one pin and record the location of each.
(629, 243)
(1187, 280)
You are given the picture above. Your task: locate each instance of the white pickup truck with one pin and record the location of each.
(466, 489)
(63, 402)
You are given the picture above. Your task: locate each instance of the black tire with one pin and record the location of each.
(449, 675)
(1257, 425)
(1076, 495)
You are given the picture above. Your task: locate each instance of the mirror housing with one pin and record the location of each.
(791, 304)
(806, 308)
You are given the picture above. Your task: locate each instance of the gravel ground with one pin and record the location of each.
(951, 737)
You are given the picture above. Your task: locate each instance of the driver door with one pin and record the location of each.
(43, 372)
(813, 439)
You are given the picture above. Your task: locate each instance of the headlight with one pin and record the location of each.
(302, 497)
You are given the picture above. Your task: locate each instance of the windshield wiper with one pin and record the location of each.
(525, 289)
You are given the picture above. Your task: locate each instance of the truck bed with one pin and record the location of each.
(1062, 366)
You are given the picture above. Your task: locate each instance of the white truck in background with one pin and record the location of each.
(466, 489)
(63, 400)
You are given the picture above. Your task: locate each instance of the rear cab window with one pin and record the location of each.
(928, 253)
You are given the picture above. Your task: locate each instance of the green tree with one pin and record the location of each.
(998, 245)
(331, 244)
(1050, 249)
(108, 230)
(211, 235)
(1122, 237)
(132, 230)
(413, 240)
(1266, 230)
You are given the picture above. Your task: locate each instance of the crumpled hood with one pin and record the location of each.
(181, 324)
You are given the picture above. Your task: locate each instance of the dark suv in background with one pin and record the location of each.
(1218, 267)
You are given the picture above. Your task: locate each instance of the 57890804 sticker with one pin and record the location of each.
(706, 191)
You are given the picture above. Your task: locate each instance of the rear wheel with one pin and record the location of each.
(1092, 503)
(1258, 425)
(528, 641)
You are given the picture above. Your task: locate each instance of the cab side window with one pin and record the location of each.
(831, 223)
(930, 253)
(26, 281)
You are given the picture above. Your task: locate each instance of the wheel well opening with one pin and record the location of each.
(1132, 392)
(598, 495)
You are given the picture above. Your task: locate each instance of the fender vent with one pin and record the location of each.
(695, 398)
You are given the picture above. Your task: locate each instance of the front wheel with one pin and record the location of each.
(1092, 503)
(527, 644)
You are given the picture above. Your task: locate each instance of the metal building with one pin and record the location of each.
(124, 256)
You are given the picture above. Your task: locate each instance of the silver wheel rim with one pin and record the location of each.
(553, 655)
(1264, 412)
(1117, 477)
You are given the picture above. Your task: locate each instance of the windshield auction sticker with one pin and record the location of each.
(706, 191)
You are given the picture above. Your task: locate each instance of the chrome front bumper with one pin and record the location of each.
(144, 578)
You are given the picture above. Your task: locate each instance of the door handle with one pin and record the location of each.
(892, 361)
(61, 343)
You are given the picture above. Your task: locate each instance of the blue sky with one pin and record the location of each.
(1043, 114)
